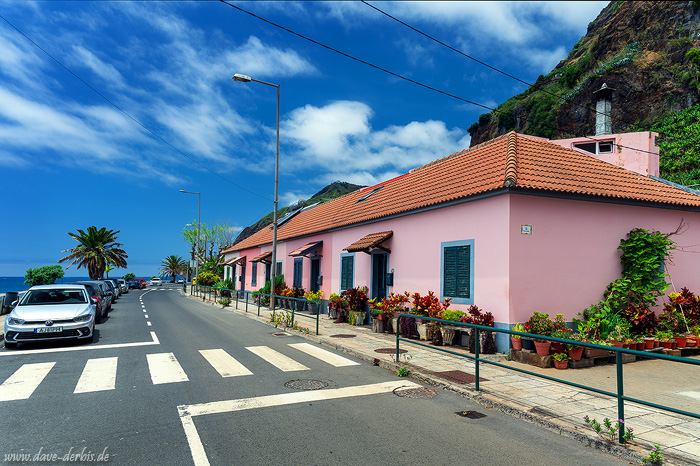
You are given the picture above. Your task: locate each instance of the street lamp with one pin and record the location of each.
(246, 79)
(199, 216)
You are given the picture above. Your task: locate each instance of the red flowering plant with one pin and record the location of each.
(540, 324)
(478, 317)
(684, 307)
(357, 297)
(429, 305)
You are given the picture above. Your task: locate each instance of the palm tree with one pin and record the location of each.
(97, 248)
(172, 265)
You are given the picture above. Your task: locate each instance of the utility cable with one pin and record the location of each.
(125, 113)
(364, 62)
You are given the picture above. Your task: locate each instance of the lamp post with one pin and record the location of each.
(199, 216)
(273, 275)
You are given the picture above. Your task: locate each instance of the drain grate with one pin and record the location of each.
(471, 414)
(306, 384)
(459, 377)
(421, 392)
(282, 334)
(343, 335)
(390, 351)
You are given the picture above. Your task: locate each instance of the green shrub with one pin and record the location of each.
(46, 275)
(207, 278)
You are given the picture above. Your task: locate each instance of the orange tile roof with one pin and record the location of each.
(510, 161)
(370, 241)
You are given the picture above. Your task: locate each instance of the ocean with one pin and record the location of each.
(17, 283)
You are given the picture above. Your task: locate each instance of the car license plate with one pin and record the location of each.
(48, 329)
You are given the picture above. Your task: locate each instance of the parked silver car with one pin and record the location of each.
(51, 312)
(155, 281)
(123, 285)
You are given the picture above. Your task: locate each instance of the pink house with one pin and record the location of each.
(514, 225)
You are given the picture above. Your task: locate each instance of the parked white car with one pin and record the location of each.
(156, 282)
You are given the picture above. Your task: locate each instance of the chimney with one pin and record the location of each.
(603, 107)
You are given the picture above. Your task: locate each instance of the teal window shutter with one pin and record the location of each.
(346, 272)
(457, 272)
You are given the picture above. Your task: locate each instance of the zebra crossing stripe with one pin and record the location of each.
(98, 375)
(278, 360)
(164, 368)
(224, 363)
(24, 381)
(325, 356)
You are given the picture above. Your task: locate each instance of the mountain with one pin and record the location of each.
(333, 190)
(648, 52)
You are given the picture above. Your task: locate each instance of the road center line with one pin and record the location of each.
(187, 412)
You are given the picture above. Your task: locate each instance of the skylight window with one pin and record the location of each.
(366, 196)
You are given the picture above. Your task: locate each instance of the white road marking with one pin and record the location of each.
(146, 316)
(24, 381)
(144, 310)
(691, 394)
(98, 375)
(325, 356)
(83, 348)
(224, 363)
(148, 323)
(278, 360)
(187, 412)
(164, 368)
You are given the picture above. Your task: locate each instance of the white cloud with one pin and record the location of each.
(339, 139)
(258, 59)
(291, 197)
(104, 70)
(543, 61)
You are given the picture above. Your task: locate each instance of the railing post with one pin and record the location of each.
(318, 314)
(258, 305)
(476, 360)
(236, 298)
(247, 298)
(397, 338)
(620, 394)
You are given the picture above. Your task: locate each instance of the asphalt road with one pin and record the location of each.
(201, 385)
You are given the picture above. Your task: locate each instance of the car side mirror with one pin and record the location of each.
(14, 303)
(93, 301)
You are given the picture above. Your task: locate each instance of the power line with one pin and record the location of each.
(364, 62)
(125, 113)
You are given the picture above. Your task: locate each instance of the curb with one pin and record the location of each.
(633, 452)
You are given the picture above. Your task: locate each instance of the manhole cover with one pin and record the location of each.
(421, 392)
(471, 414)
(459, 377)
(306, 384)
(343, 335)
(390, 351)
(282, 334)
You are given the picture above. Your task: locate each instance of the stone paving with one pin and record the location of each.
(552, 405)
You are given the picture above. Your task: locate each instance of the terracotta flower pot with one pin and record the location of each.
(640, 346)
(558, 347)
(666, 344)
(561, 364)
(517, 343)
(681, 341)
(576, 353)
(648, 343)
(542, 347)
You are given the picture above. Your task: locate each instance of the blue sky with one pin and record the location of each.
(70, 159)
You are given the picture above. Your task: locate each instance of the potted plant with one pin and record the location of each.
(448, 331)
(560, 330)
(376, 310)
(516, 341)
(561, 360)
(540, 324)
(476, 316)
(316, 296)
(575, 352)
(357, 299)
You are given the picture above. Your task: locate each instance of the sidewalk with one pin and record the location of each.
(552, 405)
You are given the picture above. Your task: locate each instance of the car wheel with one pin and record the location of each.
(98, 317)
(10, 345)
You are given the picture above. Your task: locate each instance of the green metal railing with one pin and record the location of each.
(301, 304)
(621, 397)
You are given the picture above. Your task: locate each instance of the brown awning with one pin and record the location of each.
(235, 260)
(310, 248)
(369, 242)
(264, 257)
